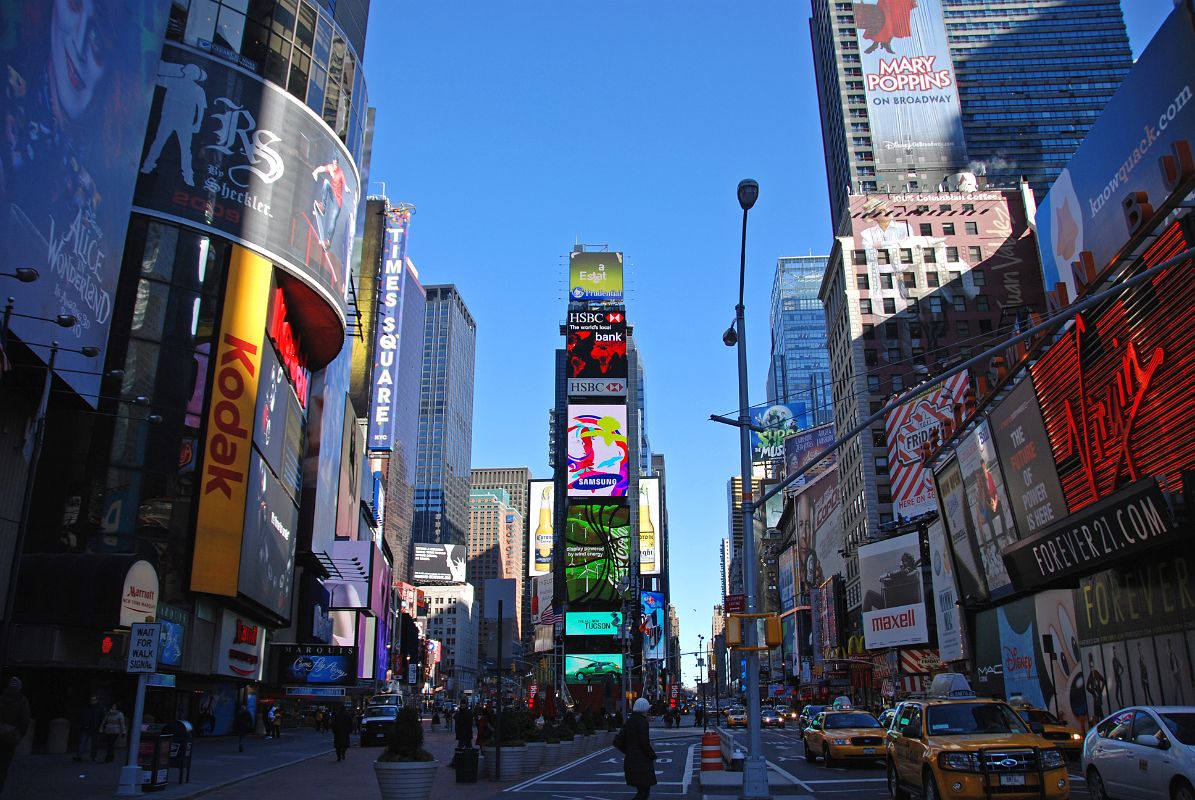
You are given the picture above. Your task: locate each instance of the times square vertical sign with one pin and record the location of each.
(386, 332)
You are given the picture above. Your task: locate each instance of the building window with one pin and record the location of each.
(914, 330)
(962, 327)
(948, 229)
(985, 326)
(926, 229)
(889, 305)
(929, 255)
(931, 279)
(909, 279)
(971, 228)
(981, 302)
(893, 355)
(881, 463)
(898, 383)
(935, 305)
(861, 281)
(886, 281)
(978, 277)
(945, 208)
(883, 257)
(864, 306)
(975, 253)
(969, 207)
(891, 330)
(859, 257)
(871, 358)
(873, 384)
(874, 406)
(959, 302)
(869, 331)
(951, 254)
(906, 255)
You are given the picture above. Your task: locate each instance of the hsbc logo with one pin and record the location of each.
(597, 387)
(615, 317)
(596, 317)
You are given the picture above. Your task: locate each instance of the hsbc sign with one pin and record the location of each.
(584, 387)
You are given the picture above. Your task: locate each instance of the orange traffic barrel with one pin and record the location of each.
(711, 752)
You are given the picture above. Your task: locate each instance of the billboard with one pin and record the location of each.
(907, 428)
(597, 542)
(951, 641)
(593, 667)
(787, 578)
(988, 504)
(653, 625)
(1114, 390)
(278, 424)
(595, 277)
(383, 399)
(268, 544)
(597, 343)
(215, 563)
(779, 422)
(315, 664)
(894, 608)
(803, 447)
(230, 153)
(541, 600)
(438, 563)
(952, 496)
(1026, 460)
(592, 623)
(651, 533)
(909, 80)
(79, 81)
(819, 532)
(1131, 161)
(354, 563)
(540, 497)
(598, 461)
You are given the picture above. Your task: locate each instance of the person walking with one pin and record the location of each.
(89, 729)
(14, 722)
(342, 727)
(244, 726)
(319, 720)
(483, 729)
(113, 727)
(277, 722)
(436, 720)
(634, 740)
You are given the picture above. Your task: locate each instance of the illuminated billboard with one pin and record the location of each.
(268, 542)
(1130, 162)
(540, 497)
(907, 428)
(987, 501)
(598, 460)
(788, 585)
(651, 534)
(909, 81)
(779, 421)
(595, 277)
(947, 608)
(315, 665)
(820, 538)
(593, 667)
(803, 447)
(383, 399)
(597, 540)
(597, 343)
(652, 621)
(592, 623)
(438, 563)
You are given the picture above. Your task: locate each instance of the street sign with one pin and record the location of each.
(143, 647)
(736, 603)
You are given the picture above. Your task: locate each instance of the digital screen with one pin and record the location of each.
(592, 623)
(593, 667)
(598, 456)
(597, 551)
(321, 665)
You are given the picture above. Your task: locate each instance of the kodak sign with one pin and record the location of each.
(215, 567)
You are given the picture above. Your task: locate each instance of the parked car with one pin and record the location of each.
(1142, 752)
(770, 718)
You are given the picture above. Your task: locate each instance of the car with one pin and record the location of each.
(597, 670)
(1052, 729)
(770, 718)
(843, 735)
(791, 715)
(1142, 751)
(376, 723)
(954, 744)
(808, 715)
(736, 718)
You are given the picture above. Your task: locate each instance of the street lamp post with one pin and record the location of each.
(702, 679)
(755, 767)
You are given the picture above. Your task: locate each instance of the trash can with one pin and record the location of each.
(153, 757)
(180, 747)
(465, 760)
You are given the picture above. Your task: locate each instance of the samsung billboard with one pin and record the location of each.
(598, 458)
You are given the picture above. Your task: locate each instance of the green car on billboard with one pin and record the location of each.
(592, 667)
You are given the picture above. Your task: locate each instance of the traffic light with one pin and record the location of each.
(112, 648)
(771, 631)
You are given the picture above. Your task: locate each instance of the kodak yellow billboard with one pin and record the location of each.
(226, 448)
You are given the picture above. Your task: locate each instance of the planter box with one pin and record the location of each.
(533, 759)
(569, 748)
(552, 755)
(512, 762)
(400, 780)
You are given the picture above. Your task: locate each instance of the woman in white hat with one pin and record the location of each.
(638, 764)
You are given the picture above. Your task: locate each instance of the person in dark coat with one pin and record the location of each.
(89, 729)
(14, 722)
(342, 727)
(464, 727)
(638, 763)
(244, 726)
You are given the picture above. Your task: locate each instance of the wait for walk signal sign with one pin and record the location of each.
(143, 647)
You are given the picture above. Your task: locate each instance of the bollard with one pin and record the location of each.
(711, 752)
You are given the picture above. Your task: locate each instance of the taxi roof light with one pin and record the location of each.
(950, 684)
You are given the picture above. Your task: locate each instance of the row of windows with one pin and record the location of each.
(908, 280)
(929, 255)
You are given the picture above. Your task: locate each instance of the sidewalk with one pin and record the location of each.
(215, 763)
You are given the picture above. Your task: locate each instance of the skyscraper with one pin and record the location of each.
(495, 547)
(513, 480)
(799, 368)
(1008, 100)
(445, 441)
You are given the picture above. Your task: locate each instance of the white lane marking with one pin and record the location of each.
(789, 776)
(688, 770)
(557, 771)
(851, 780)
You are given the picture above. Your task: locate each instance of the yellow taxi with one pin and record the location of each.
(953, 744)
(1052, 729)
(843, 735)
(736, 718)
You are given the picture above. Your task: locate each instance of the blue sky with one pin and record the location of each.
(518, 129)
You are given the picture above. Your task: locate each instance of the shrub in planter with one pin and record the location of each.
(405, 743)
(405, 771)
